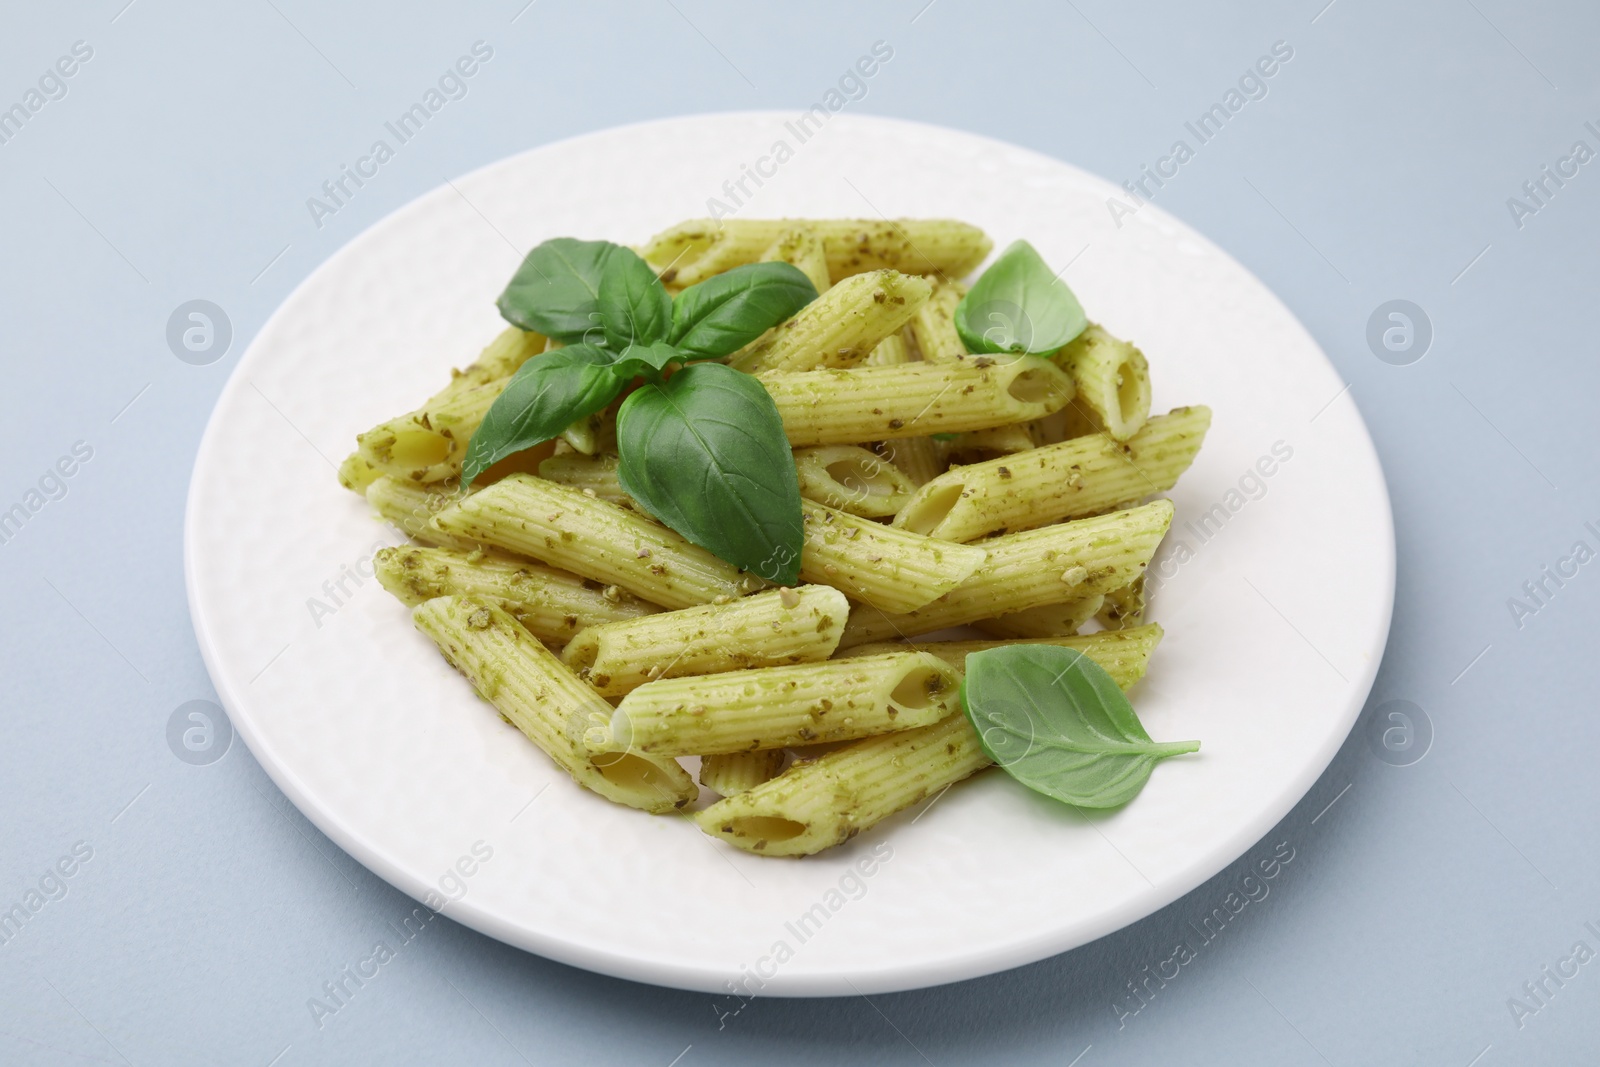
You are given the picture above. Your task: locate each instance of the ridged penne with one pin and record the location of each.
(933, 327)
(428, 444)
(1048, 620)
(411, 507)
(819, 803)
(355, 473)
(1113, 381)
(774, 707)
(839, 328)
(694, 250)
(588, 536)
(1025, 570)
(552, 605)
(1125, 654)
(730, 773)
(840, 407)
(542, 698)
(770, 629)
(851, 478)
(1078, 477)
(802, 248)
(894, 570)
(597, 474)
(918, 458)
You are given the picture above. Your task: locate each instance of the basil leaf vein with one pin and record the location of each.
(705, 453)
(547, 394)
(556, 290)
(727, 311)
(1054, 720)
(634, 306)
(1019, 305)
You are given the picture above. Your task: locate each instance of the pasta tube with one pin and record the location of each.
(851, 478)
(1074, 478)
(1113, 381)
(918, 458)
(731, 773)
(1026, 570)
(894, 570)
(934, 325)
(774, 707)
(428, 444)
(355, 473)
(694, 250)
(552, 605)
(588, 536)
(411, 508)
(802, 247)
(1124, 608)
(780, 626)
(841, 407)
(839, 328)
(1125, 654)
(889, 352)
(597, 474)
(823, 802)
(1049, 620)
(539, 696)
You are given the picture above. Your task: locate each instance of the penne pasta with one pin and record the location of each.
(588, 536)
(355, 473)
(428, 444)
(731, 773)
(801, 247)
(981, 445)
(552, 605)
(918, 458)
(838, 407)
(1074, 478)
(1125, 654)
(894, 570)
(840, 328)
(853, 479)
(1029, 569)
(1124, 608)
(933, 327)
(819, 803)
(695, 250)
(1048, 620)
(1113, 381)
(774, 707)
(596, 474)
(542, 698)
(411, 507)
(774, 628)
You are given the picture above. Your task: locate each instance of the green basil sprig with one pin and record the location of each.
(702, 448)
(1057, 722)
(1018, 305)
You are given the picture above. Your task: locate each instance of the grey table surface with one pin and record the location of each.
(1443, 868)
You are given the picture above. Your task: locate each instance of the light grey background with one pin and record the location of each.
(1420, 897)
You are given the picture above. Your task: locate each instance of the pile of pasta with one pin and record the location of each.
(618, 647)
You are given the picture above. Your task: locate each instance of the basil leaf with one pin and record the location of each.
(649, 360)
(546, 395)
(634, 306)
(1057, 723)
(705, 453)
(556, 291)
(727, 311)
(1019, 305)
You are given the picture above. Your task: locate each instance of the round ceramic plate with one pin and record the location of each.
(1274, 586)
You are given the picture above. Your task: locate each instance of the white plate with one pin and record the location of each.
(1275, 622)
